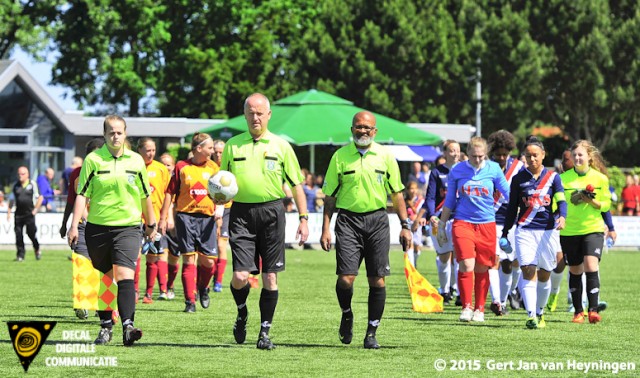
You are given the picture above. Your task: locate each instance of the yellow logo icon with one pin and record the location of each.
(27, 338)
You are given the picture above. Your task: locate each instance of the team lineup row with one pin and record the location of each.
(117, 187)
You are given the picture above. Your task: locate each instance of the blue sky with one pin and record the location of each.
(42, 73)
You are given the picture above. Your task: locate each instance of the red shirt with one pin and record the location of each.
(73, 182)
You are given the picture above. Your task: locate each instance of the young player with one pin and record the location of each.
(503, 276)
(582, 239)
(471, 187)
(158, 176)
(431, 210)
(536, 242)
(195, 221)
(414, 202)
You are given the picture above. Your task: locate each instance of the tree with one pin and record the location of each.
(111, 51)
(593, 89)
(26, 23)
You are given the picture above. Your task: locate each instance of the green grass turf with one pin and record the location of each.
(306, 323)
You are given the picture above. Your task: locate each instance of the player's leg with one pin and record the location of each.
(223, 241)
(464, 244)
(376, 257)
(593, 246)
(206, 258)
(163, 268)
(244, 261)
(31, 233)
(99, 247)
(485, 244)
(572, 249)
(270, 246)
(18, 228)
(125, 253)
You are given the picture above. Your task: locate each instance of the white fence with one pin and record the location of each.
(628, 229)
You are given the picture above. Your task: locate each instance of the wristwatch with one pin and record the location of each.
(151, 225)
(304, 216)
(406, 224)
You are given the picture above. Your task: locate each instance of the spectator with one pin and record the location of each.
(46, 189)
(4, 206)
(310, 190)
(64, 180)
(319, 180)
(418, 176)
(629, 198)
(440, 160)
(24, 194)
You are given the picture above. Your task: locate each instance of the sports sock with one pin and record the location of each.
(220, 267)
(152, 272)
(126, 301)
(505, 285)
(529, 294)
(268, 302)
(453, 282)
(163, 271)
(105, 319)
(344, 297)
(593, 289)
(444, 275)
(204, 275)
(575, 288)
(240, 296)
(516, 272)
(494, 284)
(189, 282)
(481, 289)
(377, 298)
(465, 287)
(136, 277)
(544, 289)
(584, 289)
(173, 270)
(556, 280)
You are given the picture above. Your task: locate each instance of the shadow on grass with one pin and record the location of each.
(331, 346)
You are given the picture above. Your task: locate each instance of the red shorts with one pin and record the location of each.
(475, 241)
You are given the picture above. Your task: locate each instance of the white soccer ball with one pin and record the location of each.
(223, 186)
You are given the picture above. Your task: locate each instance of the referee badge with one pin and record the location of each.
(379, 178)
(270, 164)
(131, 179)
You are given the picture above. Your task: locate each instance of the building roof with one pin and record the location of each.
(78, 124)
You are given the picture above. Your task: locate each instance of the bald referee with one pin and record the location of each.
(261, 162)
(359, 177)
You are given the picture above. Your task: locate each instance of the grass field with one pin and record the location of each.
(306, 323)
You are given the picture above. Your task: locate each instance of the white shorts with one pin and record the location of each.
(502, 255)
(448, 247)
(537, 247)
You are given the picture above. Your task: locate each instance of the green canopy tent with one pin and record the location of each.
(317, 118)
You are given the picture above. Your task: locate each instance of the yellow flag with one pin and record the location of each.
(424, 296)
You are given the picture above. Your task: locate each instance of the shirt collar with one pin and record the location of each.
(374, 148)
(265, 137)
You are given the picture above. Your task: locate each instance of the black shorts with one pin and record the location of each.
(257, 230)
(113, 245)
(172, 244)
(575, 248)
(81, 245)
(196, 233)
(224, 229)
(362, 237)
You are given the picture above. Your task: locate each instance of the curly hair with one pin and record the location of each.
(501, 139)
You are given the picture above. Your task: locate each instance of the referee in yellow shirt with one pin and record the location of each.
(261, 162)
(359, 177)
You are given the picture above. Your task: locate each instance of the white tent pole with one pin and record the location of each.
(312, 158)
